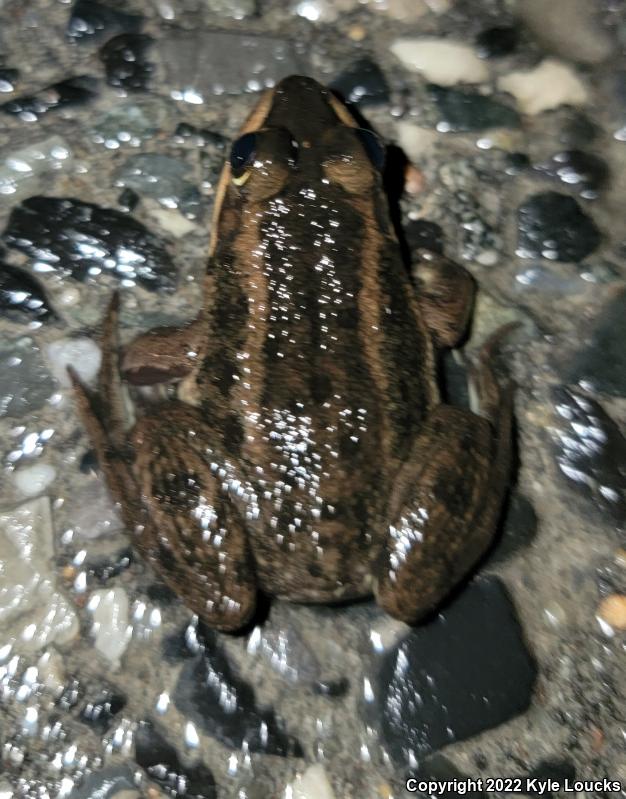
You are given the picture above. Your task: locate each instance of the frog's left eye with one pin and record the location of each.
(373, 146)
(242, 156)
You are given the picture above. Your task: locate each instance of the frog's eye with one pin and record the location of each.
(373, 146)
(261, 162)
(242, 156)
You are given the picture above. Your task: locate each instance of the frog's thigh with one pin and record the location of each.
(163, 354)
(445, 293)
(196, 537)
(444, 510)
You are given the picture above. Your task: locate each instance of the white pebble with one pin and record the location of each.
(549, 85)
(68, 297)
(442, 61)
(111, 629)
(33, 480)
(313, 784)
(81, 353)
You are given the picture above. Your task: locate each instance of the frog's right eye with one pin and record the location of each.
(242, 156)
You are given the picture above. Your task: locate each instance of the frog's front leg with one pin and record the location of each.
(446, 501)
(445, 294)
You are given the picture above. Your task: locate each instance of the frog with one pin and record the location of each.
(303, 451)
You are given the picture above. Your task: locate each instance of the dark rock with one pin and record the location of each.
(422, 234)
(22, 298)
(8, 79)
(468, 111)
(587, 172)
(104, 569)
(591, 451)
(100, 711)
(70, 92)
(454, 380)
(181, 645)
(497, 42)
(553, 226)
(519, 528)
(92, 21)
(516, 163)
(124, 59)
(603, 362)
(363, 83)
(212, 141)
(463, 672)
(219, 702)
(161, 762)
(87, 241)
(106, 783)
(128, 200)
(578, 131)
(559, 770)
(332, 688)
(89, 463)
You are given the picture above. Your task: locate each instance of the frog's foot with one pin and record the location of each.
(198, 507)
(102, 413)
(163, 354)
(445, 293)
(447, 501)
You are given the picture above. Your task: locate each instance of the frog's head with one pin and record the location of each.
(299, 137)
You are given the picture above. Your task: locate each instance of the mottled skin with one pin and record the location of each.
(307, 453)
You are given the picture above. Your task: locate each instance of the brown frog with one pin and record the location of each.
(307, 453)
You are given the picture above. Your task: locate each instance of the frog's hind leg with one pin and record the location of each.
(102, 414)
(447, 500)
(445, 294)
(199, 508)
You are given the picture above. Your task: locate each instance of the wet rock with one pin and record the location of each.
(437, 767)
(311, 784)
(221, 62)
(497, 42)
(124, 59)
(553, 226)
(549, 85)
(33, 480)
(27, 444)
(111, 630)
(87, 241)
(467, 111)
(421, 234)
(130, 124)
(519, 528)
(581, 39)
(163, 178)
(591, 451)
(442, 61)
(215, 143)
(280, 643)
(363, 83)
(516, 163)
(159, 759)
(81, 353)
(107, 783)
(22, 298)
(603, 362)
(216, 700)
(100, 712)
(578, 130)
(24, 172)
(70, 92)
(128, 200)
(588, 173)
(8, 79)
(91, 21)
(31, 609)
(105, 569)
(332, 688)
(25, 383)
(90, 511)
(465, 671)
(233, 9)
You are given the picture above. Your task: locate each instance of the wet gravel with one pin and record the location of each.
(115, 121)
